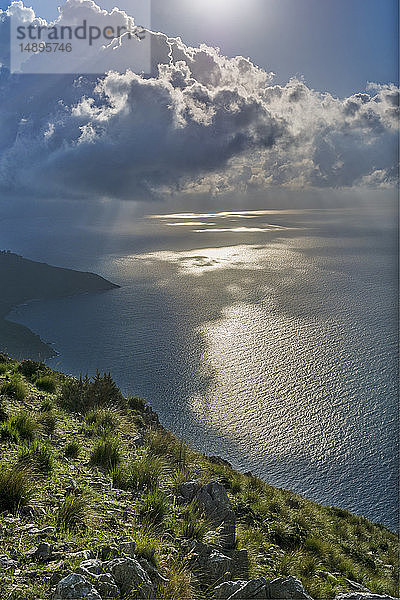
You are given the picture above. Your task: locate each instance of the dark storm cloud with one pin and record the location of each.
(200, 120)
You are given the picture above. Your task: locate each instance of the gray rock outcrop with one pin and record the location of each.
(363, 596)
(129, 574)
(283, 588)
(75, 587)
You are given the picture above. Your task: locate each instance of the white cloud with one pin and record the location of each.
(200, 122)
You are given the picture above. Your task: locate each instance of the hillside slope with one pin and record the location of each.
(22, 280)
(98, 501)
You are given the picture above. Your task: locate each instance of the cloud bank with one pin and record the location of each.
(200, 121)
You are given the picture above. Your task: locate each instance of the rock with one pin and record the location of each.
(106, 586)
(92, 566)
(75, 587)
(226, 589)
(242, 590)
(8, 563)
(240, 563)
(214, 500)
(152, 572)
(43, 552)
(27, 511)
(47, 532)
(212, 566)
(363, 596)
(125, 545)
(287, 588)
(129, 574)
(188, 490)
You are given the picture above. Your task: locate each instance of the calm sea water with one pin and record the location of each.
(267, 338)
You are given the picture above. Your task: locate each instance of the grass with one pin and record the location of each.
(48, 421)
(106, 453)
(15, 388)
(16, 489)
(136, 403)
(153, 509)
(46, 384)
(73, 513)
(19, 427)
(102, 420)
(36, 455)
(72, 449)
(144, 473)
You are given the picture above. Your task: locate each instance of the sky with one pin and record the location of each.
(291, 94)
(337, 45)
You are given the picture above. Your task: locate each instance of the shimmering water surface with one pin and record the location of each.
(269, 339)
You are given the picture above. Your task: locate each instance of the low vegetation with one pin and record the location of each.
(82, 459)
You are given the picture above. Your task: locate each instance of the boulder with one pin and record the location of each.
(226, 589)
(284, 588)
(92, 566)
(93, 571)
(211, 564)
(75, 587)
(287, 588)
(152, 572)
(107, 587)
(255, 589)
(129, 574)
(188, 490)
(363, 596)
(213, 499)
(43, 552)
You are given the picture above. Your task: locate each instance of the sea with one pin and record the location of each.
(266, 336)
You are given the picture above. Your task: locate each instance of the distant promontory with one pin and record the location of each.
(22, 280)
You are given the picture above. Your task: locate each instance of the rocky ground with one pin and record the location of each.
(98, 501)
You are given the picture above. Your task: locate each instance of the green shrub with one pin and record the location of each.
(48, 421)
(15, 388)
(154, 508)
(29, 367)
(80, 395)
(136, 403)
(106, 453)
(8, 433)
(74, 513)
(3, 368)
(3, 412)
(192, 527)
(25, 425)
(288, 538)
(145, 472)
(37, 455)
(46, 384)
(15, 489)
(72, 449)
(47, 405)
(102, 419)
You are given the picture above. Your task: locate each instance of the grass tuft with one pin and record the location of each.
(46, 384)
(15, 388)
(136, 403)
(72, 449)
(16, 489)
(106, 453)
(73, 513)
(154, 508)
(37, 455)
